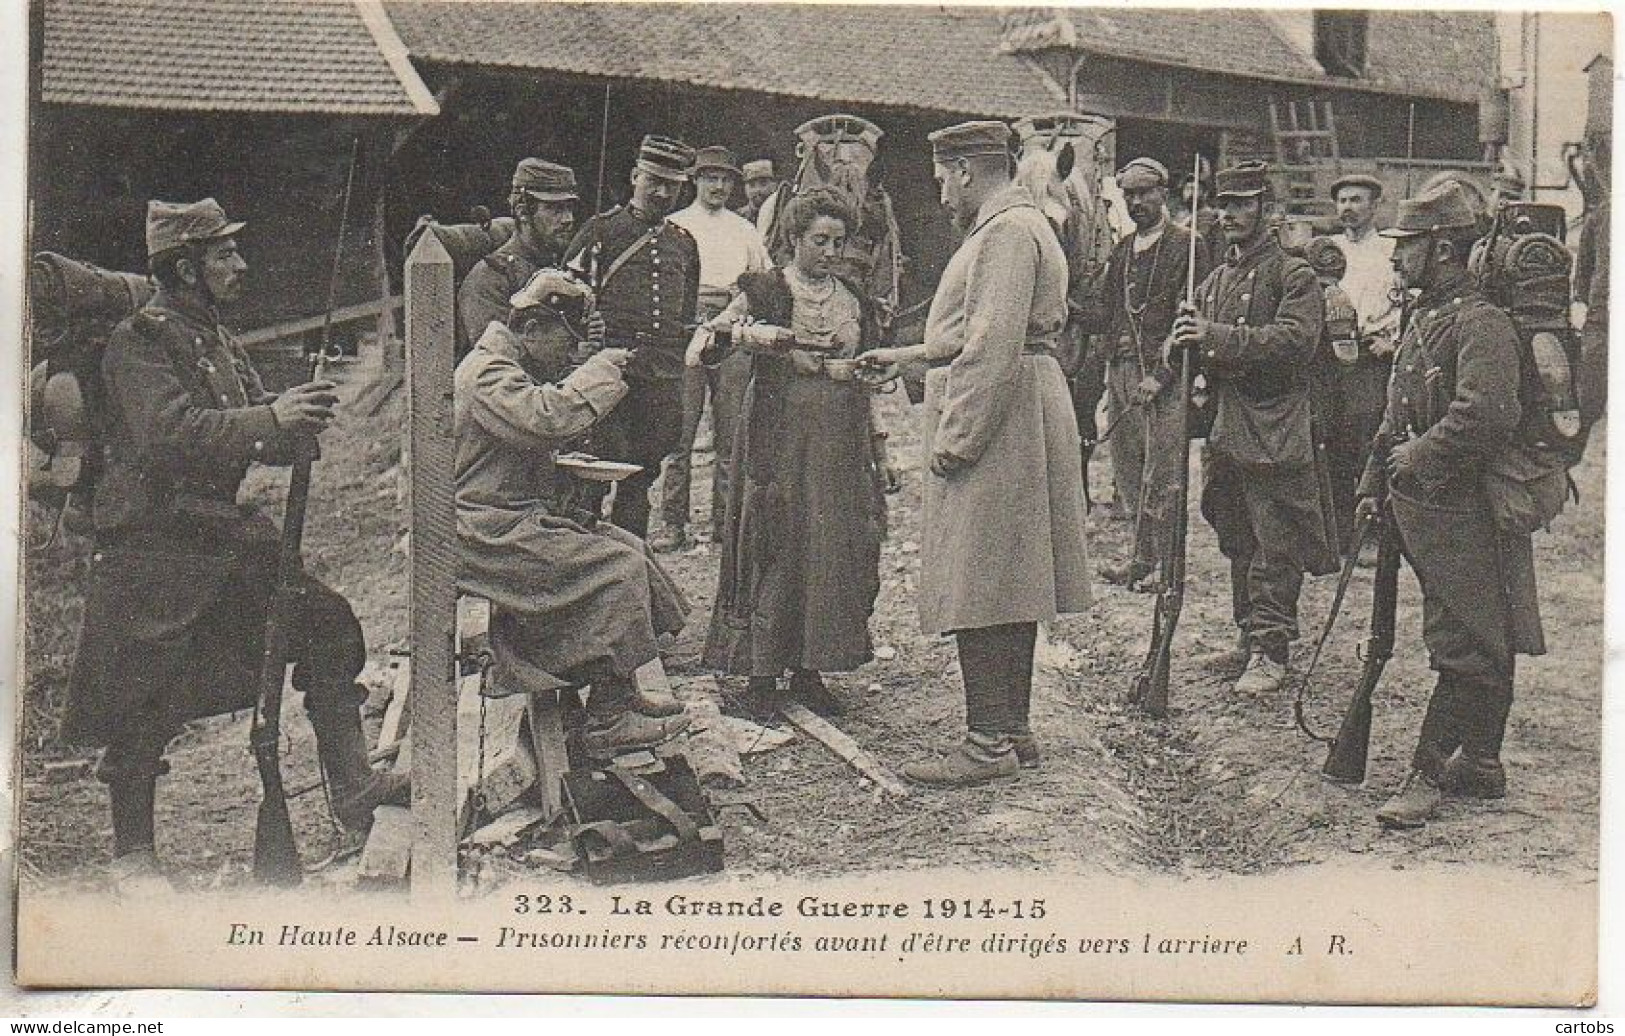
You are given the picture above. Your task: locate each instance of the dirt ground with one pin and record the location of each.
(1222, 786)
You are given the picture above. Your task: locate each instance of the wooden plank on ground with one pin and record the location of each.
(509, 767)
(386, 859)
(546, 715)
(843, 747)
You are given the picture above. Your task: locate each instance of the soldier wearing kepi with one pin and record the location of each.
(645, 271)
(1254, 339)
(182, 575)
(1133, 305)
(1452, 424)
(1001, 445)
(543, 201)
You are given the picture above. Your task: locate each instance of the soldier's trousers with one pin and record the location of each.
(1263, 516)
(1129, 433)
(326, 647)
(1348, 441)
(645, 427)
(1469, 713)
(996, 663)
(1149, 440)
(725, 384)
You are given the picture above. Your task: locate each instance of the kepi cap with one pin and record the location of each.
(969, 140)
(1445, 207)
(1142, 174)
(171, 225)
(1365, 180)
(545, 181)
(716, 157)
(760, 169)
(665, 157)
(1247, 180)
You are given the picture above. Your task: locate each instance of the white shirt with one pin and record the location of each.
(729, 246)
(1369, 281)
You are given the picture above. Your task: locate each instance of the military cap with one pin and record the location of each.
(840, 128)
(1142, 173)
(1247, 180)
(760, 169)
(1326, 257)
(716, 157)
(970, 139)
(545, 181)
(1446, 207)
(1370, 183)
(555, 289)
(1052, 126)
(173, 224)
(665, 157)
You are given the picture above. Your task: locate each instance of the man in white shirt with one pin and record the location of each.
(1358, 387)
(729, 245)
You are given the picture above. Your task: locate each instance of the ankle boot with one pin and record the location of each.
(356, 788)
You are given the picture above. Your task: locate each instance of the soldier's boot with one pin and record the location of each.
(1228, 662)
(134, 870)
(978, 759)
(807, 686)
(659, 704)
(668, 539)
(1027, 751)
(354, 787)
(759, 702)
(1414, 804)
(1474, 777)
(614, 724)
(1128, 574)
(1263, 675)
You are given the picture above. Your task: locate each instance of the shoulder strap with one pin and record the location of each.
(631, 250)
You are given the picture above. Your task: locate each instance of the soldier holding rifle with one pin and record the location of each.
(1254, 338)
(1453, 419)
(183, 575)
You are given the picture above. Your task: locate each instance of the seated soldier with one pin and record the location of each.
(574, 601)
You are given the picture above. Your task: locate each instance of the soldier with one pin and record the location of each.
(1001, 445)
(729, 245)
(574, 600)
(645, 271)
(1133, 304)
(543, 200)
(1356, 384)
(1453, 416)
(182, 574)
(761, 183)
(1254, 339)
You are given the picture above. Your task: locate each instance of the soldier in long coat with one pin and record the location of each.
(574, 601)
(1003, 540)
(1255, 339)
(182, 575)
(1462, 489)
(543, 200)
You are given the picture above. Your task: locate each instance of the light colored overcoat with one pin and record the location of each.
(1003, 535)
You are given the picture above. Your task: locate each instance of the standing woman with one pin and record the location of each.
(801, 546)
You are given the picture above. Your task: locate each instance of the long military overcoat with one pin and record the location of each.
(1004, 535)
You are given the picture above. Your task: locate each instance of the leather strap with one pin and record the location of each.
(652, 800)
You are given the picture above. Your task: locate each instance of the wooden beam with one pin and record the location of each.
(369, 310)
(433, 570)
(843, 747)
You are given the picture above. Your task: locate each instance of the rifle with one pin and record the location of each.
(1345, 760)
(1151, 685)
(1362, 529)
(276, 854)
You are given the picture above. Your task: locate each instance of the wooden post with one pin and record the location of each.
(433, 579)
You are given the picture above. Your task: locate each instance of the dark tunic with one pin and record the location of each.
(182, 575)
(1455, 392)
(801, 547)
(484, 295)
(648, 302)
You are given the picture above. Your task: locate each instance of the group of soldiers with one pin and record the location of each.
(572, 332)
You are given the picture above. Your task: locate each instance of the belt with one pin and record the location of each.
(1027, 349)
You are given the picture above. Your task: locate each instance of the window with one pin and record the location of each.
(1340, 42)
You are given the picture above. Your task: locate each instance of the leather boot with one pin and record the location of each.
(1415, 803)
(356, 789)
(659, 704)
(807, 686)
(1229, 661)
(978, 759)
(1263, 675)
(1027, 751)
(1475, 778)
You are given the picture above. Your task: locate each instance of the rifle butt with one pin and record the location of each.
(276, 855)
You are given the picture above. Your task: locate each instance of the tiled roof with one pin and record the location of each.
(294, 56)
(1446, 55)
(945, 59)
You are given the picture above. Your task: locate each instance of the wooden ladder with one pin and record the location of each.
(1307, 157)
